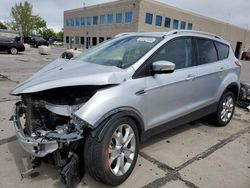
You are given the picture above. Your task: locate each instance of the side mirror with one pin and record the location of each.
(163, 67)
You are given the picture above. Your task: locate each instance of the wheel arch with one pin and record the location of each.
(234, 88)
(102, 124)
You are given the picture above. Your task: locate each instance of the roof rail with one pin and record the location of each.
(123, 34)
(195, 32)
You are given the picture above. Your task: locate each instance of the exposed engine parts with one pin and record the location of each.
(244, 96)
(49, 130)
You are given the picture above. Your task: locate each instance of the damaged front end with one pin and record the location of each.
(47, 128)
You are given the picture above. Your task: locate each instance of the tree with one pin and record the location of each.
(47, 33)
(59, 35)
(2, 26)
(23, 18)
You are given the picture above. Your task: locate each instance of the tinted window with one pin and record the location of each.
(67, 23)
(222, 49)
(149, 18)
(110, 18)
(89, 20)
(119, 18)
(82, 40)
(158, 20)
(190, 26)
(128, 17)
(77, 22)
(206, 51)
(167, 22)
(95, 20)
(183, 25)
(176, 24)
(102, 19)
(178, 51)
(72, 22)
(83, 21)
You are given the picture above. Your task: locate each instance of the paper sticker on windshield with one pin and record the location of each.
(144, 39)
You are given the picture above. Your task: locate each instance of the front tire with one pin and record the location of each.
(112, 159)
(13, 50)
(225, 109)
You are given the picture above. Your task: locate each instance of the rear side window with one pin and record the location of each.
(223, 50)
(206, 51)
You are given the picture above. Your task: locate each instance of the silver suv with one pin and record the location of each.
(93, 111)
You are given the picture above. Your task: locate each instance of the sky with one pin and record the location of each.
(236, 12)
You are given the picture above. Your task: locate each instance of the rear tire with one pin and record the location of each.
(225, 110)
(112, 159)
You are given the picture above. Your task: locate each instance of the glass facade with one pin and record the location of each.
(190, 26)
(167, 22)
(128, 17)
(118, 18)
(89, 20)
(102, 19)
(183, 25)
(95, 20)
(158, 20)
(176, 24)
(110, 18)
(149, 18)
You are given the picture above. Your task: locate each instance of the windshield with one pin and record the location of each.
(121, 52)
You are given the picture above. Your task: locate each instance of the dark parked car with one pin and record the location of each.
(245, 56)
(37, 41)
(11, 45)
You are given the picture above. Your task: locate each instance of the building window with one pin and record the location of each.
(108, 38)
(77, 22)
(102, 19)
(82, 40)
(167, 22)
(118, 18)
(128, 17)
(176, 24)
(89, 20)
(67, 22)
(101, 39)
(149, 18)
(110, 18)
(95, 20)
(72, 22)
(158, 20)
(190, 26)
(183, 25)
(67, 39)
(94, 41)
(82, 21)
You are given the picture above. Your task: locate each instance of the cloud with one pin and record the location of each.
(235, 12)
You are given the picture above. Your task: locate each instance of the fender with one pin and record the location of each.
(103, 123)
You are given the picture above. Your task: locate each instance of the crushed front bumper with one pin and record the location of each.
(38, 147)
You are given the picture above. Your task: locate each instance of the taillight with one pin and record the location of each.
(238, 63)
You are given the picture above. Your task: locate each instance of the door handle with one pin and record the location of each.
(222, 68)
(190, 77)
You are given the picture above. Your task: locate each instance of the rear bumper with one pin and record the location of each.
(38, 147)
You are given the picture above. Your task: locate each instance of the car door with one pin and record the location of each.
(170, 96)
(209, 71)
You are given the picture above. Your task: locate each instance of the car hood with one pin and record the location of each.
(62, 73)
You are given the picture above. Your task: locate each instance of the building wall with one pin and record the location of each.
(231, 33)
(106, 30)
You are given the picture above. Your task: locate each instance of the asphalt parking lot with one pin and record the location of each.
(192, 155)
